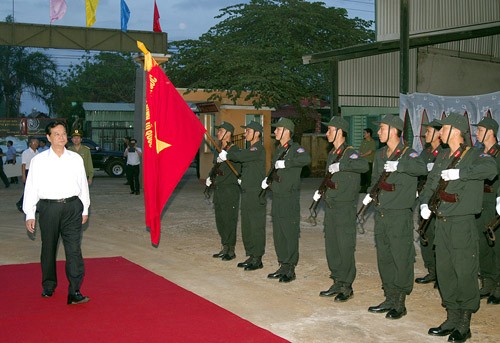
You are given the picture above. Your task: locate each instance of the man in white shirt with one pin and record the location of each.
(26, 157)
(57, 187)
(133, 155)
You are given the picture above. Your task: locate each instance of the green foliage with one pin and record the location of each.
(105, 77)
(258, 47)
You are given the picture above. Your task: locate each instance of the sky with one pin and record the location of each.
(180, 19)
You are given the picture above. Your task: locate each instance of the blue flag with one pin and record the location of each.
(125, 15)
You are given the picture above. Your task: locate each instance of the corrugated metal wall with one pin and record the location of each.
(373, 81)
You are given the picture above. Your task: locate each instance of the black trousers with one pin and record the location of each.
(64, 220)
(133, 177)
(4, 177)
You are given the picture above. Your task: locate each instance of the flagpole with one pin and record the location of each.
(229, 164)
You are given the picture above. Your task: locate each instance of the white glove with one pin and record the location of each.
(430, 166)
(498, 206)
(368, 199)
(424, 211)
(280, 164)
(223, 155)
(450, 174)
(391, 166)
(333, 168)
(219, 160)
(316, 196)
(208, 182)
(239, 182)
(264, 184)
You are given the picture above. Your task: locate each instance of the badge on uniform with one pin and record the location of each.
(354, 156)
(253, 148)
(484, 155)
(300, 150)
(413, 155)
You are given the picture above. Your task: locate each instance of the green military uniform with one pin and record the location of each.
(226, 204)
(84, 152)
(253, 211)
(341, 200)
(394, 223)
(487, 252)
(456, 239)
(428, 155)
(285, 208)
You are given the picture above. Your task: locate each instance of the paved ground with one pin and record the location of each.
(293, 311)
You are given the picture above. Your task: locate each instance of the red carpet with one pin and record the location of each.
(128, 304)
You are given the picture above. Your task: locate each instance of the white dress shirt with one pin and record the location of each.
(54, 177)
(133, 158)
(27, 156)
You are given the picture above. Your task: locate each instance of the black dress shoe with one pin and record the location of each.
(47, 293)
(276, 275)
(382, 308)
(331, 291)
(254, 266)
(219, 254)
(342, 297)
(246, 263)
(493, 300)
(439, 331)
(426, 279)
(227, 257)
(287, 278)
(77, 298)
(457, 336)
(396, 314)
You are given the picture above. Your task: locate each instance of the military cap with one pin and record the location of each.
(488, 123)
(225, 125)
(286, 123)
(435, 123)
(253, 125)
(339, 123)
(392, 121)
(457, 121)
(77, 133)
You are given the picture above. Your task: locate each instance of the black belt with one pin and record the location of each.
(60, 201)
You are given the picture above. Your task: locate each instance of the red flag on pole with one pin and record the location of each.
(172, 136)
(156, 20)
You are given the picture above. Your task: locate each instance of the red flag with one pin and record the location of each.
(156, 20)
(172, 136)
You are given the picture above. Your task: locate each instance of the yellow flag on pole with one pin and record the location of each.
(90, 9)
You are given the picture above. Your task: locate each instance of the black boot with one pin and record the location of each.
(245, 263)
(462, 331)
(230, 255)
(430, 277)
(279, 273)
(399, 309)
(452, 319)
(386, 305)
(289, 276)
(494, 298)
(333, 290)
(488, 288)
(221, 253)
(255, 263)
(345, 294)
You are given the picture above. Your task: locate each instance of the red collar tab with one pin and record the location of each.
(285, 145)
(457, 153)
(435, 152)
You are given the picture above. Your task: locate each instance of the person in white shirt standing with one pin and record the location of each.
(26, 157)
(57, 188)
(133, 155)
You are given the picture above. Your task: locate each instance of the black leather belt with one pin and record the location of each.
(60, 201)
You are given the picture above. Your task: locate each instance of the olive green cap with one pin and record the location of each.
(225, 125)
(457, 121)
(435, 123)
(393, 121)
(488, 123)
(253, 125)
(286, 123)
(339, 123)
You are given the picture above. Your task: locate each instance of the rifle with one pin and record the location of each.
(325, 184)
(435, 199)
(215, 169)
(271, 175)
(491, 227)
(375, 190)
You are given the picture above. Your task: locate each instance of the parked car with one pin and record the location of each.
(112, 162)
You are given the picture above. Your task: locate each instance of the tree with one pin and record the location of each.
(23, 70)
(105, 77)
(258, 47)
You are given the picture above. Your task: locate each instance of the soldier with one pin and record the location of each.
(341, 199)
(486, 134)
(84, 152)
(226, 196)
(431, 150)
(286, 193)
(253, 211)
(456, 240)
(394, 217)
(494, 298)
